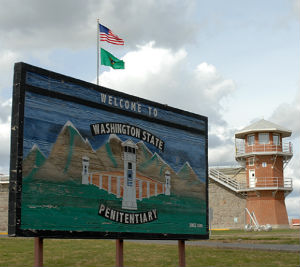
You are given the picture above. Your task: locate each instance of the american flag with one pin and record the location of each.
(108, 36)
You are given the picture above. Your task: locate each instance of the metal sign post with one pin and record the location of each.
(181, 253)
(38, 252)
(119, 253)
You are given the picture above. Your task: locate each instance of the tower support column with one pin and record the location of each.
(268, 207)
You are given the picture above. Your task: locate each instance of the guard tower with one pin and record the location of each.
(260, 148)
(168, 183)
(85, 170)
(129, 157)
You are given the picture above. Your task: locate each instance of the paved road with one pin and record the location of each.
(272, 247)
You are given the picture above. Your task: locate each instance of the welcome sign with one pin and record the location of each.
(90, 162)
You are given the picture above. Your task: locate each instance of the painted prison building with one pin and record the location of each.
(129, 184)
(258, 187)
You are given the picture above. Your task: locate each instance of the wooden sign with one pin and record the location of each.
(90, 162)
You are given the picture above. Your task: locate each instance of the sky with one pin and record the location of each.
(233, 61)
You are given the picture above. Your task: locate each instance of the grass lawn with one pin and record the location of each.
(60, 252)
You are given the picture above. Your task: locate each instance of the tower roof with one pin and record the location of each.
(129, 143)
(263, 126)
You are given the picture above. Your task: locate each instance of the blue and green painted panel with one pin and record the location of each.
(75, 180)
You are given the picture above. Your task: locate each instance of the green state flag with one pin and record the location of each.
(107, 59)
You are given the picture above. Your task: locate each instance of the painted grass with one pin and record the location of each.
(68, 206)
(19, 252)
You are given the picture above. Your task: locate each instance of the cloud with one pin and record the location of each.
(222, 155)
(165, 76)
(221, 150)
(286, 113)
(293, 206)
(5, 108)
(7, 60)
(72, 23)
(295, 5)
(169, 23)
(5, 112)
(293, 200)
(5, 146)
(43, 25)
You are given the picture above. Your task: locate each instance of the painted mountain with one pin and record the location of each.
(186, 177)
(34, 160)
(65, 162)
(65, 159)
(111, 154)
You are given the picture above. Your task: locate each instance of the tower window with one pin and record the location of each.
(250, 140)
(129, 166)
(129, 149)
(251, 161)
(263, 138)
(276, 139)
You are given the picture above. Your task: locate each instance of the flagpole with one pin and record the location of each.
(98, 51)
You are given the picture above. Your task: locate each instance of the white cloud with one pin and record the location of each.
(296, 7)
(286, 113)
(7, 60)
(214, 84)
(5, 146)
(165, 76)
(5, 108)
(221, 146)
(293, 206)
(43, 25)
(72, 23)
(293, 200)
(222, 155)
(5, 112)
(141, 65)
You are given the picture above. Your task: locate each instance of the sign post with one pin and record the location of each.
(38, 251)
(119, 253)
(181, 253)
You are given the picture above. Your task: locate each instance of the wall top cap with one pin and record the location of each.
(263, 126)
(4, 179)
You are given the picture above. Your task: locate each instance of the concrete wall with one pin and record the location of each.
(3, 207)
(227, 206)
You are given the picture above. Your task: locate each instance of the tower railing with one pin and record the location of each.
(224, 179)
(260, 182)
(241, 148)
(272, 182)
